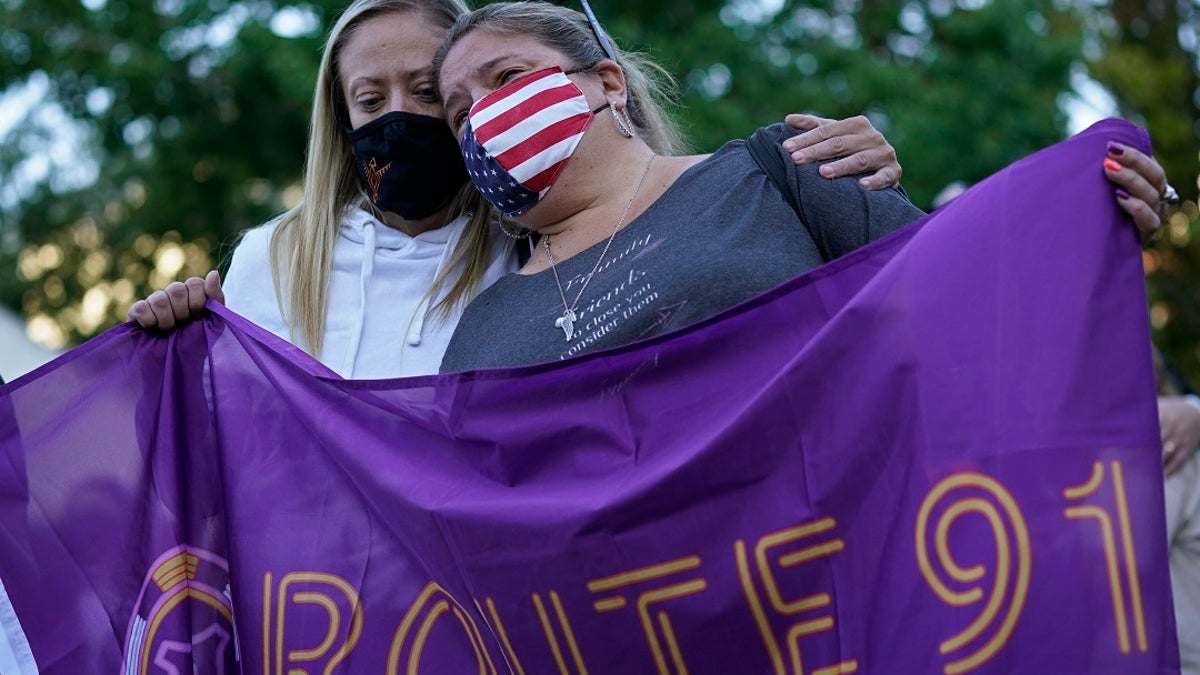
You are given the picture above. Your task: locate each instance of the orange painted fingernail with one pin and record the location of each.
(1112, 164)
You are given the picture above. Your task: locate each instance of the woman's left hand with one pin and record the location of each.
(855, 143)
(1141, 186)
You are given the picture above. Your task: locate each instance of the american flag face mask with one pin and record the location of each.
(518, 138)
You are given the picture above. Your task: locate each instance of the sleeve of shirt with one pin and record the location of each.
(840, 214)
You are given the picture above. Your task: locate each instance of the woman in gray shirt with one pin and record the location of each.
(632, 243)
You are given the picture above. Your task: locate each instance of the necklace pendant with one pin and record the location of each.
(567, 323)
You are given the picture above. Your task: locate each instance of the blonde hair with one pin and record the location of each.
(650, 87)
(302, 245)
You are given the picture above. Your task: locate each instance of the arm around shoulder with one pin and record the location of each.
(839, 214)
(842, 215)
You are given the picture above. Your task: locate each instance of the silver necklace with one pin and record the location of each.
(566, 322)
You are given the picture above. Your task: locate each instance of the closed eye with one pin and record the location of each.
(368, 103)
(508, 75)
(457, 121)
(428, 94)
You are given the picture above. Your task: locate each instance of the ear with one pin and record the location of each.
(612, 79)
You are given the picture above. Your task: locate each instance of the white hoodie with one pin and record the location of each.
(379, 324)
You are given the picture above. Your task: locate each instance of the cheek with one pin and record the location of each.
(353, 116)
(432, 109)
(359, 118)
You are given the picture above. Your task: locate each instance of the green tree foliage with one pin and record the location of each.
(961, 89)
(188, 122)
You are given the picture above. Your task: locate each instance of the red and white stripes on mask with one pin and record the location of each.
(518, 138)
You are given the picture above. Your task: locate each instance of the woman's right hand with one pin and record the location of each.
(180, 301)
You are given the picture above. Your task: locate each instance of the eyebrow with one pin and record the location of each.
(361, 80)
(454, 97)
(408, 75)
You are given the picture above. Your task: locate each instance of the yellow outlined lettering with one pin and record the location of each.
(556, 648)
(793, 663)
(510, 654)
(655, 624)
(333, 610)
(433, 602)
(1108, 535)
(1013, 564)
(268, 589)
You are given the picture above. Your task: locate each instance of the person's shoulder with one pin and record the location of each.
(773, 134)
(495, 296)
(250, 265)
(776, 133)
(472, 345)
(765, 145)
(256, 240)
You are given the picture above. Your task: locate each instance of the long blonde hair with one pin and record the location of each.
(650, 87)
(302, 245)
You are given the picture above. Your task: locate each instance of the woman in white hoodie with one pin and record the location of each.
(370, 272)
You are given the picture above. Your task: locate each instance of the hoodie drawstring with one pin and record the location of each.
(364, 280)
(416, 323)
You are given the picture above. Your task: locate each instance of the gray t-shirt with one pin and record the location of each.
(721, 234)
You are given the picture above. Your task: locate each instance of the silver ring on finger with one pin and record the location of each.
(1169, 195)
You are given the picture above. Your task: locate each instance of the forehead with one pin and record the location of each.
(386, 42)
(482, 50)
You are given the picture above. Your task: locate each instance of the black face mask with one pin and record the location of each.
(409, 164)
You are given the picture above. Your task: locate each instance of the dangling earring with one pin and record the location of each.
(621, 117)
(514, 231)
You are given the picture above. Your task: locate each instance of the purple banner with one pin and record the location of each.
(938, 454)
